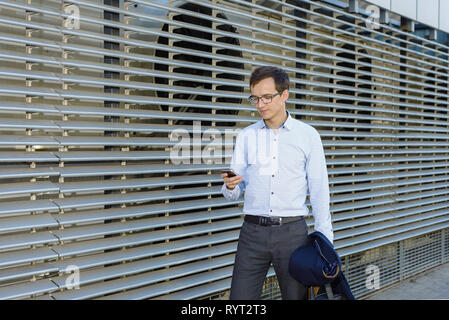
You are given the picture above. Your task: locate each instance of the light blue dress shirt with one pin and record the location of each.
(279, 167)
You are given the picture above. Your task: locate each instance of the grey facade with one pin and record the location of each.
(95, 96)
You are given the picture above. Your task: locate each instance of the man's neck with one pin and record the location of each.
(277, 121)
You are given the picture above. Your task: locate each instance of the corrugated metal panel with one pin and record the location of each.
(88, 117)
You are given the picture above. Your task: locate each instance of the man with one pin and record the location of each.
(276, 159)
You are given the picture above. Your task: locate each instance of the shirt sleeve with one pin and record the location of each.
(238, 164)
(318, 185)
(231, 195)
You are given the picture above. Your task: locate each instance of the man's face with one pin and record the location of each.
(267, 87)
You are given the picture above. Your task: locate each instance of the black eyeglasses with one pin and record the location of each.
(265, 98)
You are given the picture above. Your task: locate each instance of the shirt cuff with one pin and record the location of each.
(230, 194)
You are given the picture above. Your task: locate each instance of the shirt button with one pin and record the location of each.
(274, 157)
(271, 210)
(272, 193)
(273, 175)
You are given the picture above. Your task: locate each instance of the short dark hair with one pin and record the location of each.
(280, 77)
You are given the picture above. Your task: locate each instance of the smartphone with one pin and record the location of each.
(229, 172)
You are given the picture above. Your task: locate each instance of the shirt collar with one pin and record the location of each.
(287, 123)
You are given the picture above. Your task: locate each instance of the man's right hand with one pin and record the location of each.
(231, 182)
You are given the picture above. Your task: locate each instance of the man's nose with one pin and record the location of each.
(260, 102)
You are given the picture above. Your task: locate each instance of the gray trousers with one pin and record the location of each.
(257, 248)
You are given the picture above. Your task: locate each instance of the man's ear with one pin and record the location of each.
(285, 95)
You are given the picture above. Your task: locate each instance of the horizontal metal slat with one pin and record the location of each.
(78, 233)
(133, 197)
(67, 187)
(161, 142)
(240, 37)
(45, 297)
(384, 184)
(26, 256)
(141, 15)
(35, 107)
(131, 70)
(96, 290)
(27, 289)
(139, 71)
(379, 201)
(18, 156)
(143, 44)
(313, 23)
(375, 235)
(394, 30)
(140, 113)
(145, 265)
(393, 175)
(136, 85)
(159, 289)
(411, 193)
(27, 222)
(27, 206)
(361, 204)
(27, 172)
(144, 210)
(97, 170)
(134, 141)
(138, 127)
(362, 195)
(379, 160)
(389, 213)
(145, 251)
(387, 220)
(135, 70)
(16, 273)
(77, 248)
(370, 126)
(12, 189)
(19, 140)
(99, 260)
(353, 98)
(361, 152)
(88, 156)
(187, 294)
(94, 260)
(392, 238)
(373, 135)
(29, 124)
(395, 168)
(27, 239)
(99, 96)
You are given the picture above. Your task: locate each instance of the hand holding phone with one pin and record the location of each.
(229, 173)
(231, 179)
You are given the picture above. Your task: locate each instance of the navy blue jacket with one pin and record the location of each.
(317, 263)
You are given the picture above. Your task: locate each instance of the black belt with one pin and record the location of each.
(271, 221)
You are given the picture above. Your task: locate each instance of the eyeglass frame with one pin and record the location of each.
(251, 98)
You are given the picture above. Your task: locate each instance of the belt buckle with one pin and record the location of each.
(275, 221)
(263, 221)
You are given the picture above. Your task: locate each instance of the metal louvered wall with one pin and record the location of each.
(88, 117)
